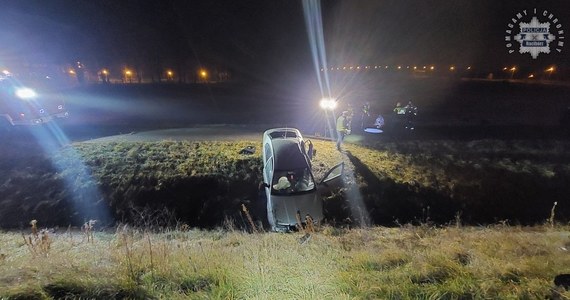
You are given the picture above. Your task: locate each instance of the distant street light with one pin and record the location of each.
(128, 75)
(513, 69)
(204, 75)
(550, 70)
(169, 75)
(105, 76)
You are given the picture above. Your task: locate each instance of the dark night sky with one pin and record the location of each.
(265, 37)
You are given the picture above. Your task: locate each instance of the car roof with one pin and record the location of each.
(288, 154)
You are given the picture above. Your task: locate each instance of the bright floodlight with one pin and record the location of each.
(25, 93)
(328, 103)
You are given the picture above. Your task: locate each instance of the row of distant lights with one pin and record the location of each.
(531, 75)
(431, 68)
(129, 73)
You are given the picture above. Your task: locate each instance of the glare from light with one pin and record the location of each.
(551, 69)
(203, 73)
(469, 68)
(451, 68)
(513, 68)
(105, 72)
(6, 72)
(128, 72)
(328, 103)
(432, 68)
(531, 76)
(72, 72)
(25, 93)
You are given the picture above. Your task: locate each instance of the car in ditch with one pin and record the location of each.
(28, 102)
(292, 195)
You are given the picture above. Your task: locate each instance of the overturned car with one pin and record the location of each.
(293, 197)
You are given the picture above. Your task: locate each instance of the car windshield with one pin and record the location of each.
(292, 182)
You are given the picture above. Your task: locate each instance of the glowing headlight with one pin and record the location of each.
(25, 93)
(328, 103)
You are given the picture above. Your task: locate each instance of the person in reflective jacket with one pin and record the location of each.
(341, 129)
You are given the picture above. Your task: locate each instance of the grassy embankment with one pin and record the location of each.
(203, 183)
(426, 261)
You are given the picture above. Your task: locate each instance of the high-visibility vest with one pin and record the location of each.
(340, 126)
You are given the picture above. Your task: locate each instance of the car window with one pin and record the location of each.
(267, 151)
(283, 134)
(333, 173)
(268, 169)
(292, 182)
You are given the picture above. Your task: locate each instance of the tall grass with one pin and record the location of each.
(409, 262)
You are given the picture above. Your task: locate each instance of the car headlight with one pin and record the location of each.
(25, 93)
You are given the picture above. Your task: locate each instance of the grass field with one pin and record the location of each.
(456, 214)
(205, 183)
(409, 262)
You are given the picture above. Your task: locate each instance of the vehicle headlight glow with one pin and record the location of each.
(25, 93)
(328, 103)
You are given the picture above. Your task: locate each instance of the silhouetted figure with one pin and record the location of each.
(411, 112)
(364, 115)
(342, 129)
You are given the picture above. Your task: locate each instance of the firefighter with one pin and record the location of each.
(399, 113)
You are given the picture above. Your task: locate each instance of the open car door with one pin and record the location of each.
(332, 179)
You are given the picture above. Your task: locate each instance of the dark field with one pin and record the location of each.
(447, 107)
(484, 151)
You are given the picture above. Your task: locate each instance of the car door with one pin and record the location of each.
(332, 179)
